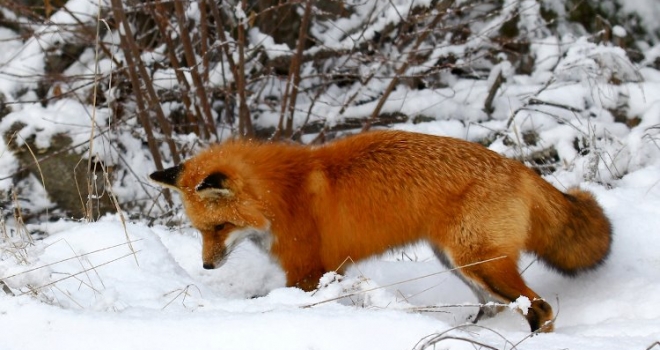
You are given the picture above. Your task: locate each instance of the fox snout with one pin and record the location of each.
(214, 261)
(214, 251)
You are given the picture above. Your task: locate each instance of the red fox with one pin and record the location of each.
(311, 207)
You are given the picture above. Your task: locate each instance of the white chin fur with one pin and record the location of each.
(262, 238)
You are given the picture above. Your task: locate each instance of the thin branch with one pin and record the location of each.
(293, 81)
(131, 49)
(189, 53)
(126, 39)
(488, 104)
(431, 340)
(220, 31)
(244, 122)
(67, 259)
(400, 282)
(654, 345)
(32, 290)
(204, 39)
(162, 23)
(536, 101)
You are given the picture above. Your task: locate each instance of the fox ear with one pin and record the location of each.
(214, 186)
(168, 176)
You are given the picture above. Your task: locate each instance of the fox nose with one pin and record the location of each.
(209, 266)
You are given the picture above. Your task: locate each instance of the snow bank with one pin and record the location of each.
(166, 300)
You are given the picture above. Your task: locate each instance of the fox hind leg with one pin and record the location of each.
(502, 280)
(485, 310)
(499, 279)
(483, 297)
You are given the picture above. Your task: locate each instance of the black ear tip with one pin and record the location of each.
(167, 176)
(214, 180)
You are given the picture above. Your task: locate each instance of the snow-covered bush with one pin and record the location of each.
(561, 85)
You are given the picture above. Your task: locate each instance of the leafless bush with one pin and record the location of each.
(177, 74)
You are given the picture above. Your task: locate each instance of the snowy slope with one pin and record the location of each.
(161, 298)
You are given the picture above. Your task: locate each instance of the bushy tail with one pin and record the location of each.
(583, 241)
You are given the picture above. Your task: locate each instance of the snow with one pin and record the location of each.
(115, 284)
(63, 116)
(268, 43)
(619, 31)
(648, 10)
(8, 165)
(522, 303)
(153, 292)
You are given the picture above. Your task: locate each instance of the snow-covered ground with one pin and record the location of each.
(114, 284)
(105, 286)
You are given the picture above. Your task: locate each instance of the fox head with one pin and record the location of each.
(218, 204)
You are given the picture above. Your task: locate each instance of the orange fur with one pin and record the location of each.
(311, 207)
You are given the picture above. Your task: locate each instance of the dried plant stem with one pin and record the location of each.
(401, 282)
(204, 39)
(125, 39)
(35, 289)
(138, 71)
(219, 28)
(34, 157)
(162, 23)
(237, 69)
(488, 104)
(433, 339)
(88, 205)
(132, 55)
(181, 292)
(18, 250)
(5, 288)
(189, 53)
(536, 101)
(293, 81)
(67, 259)
(122, 219)
(244, 122)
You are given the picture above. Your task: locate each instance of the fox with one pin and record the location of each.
(312, 207)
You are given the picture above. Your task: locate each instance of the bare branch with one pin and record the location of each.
(192, 65)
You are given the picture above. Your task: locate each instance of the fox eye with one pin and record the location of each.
(220, 227)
